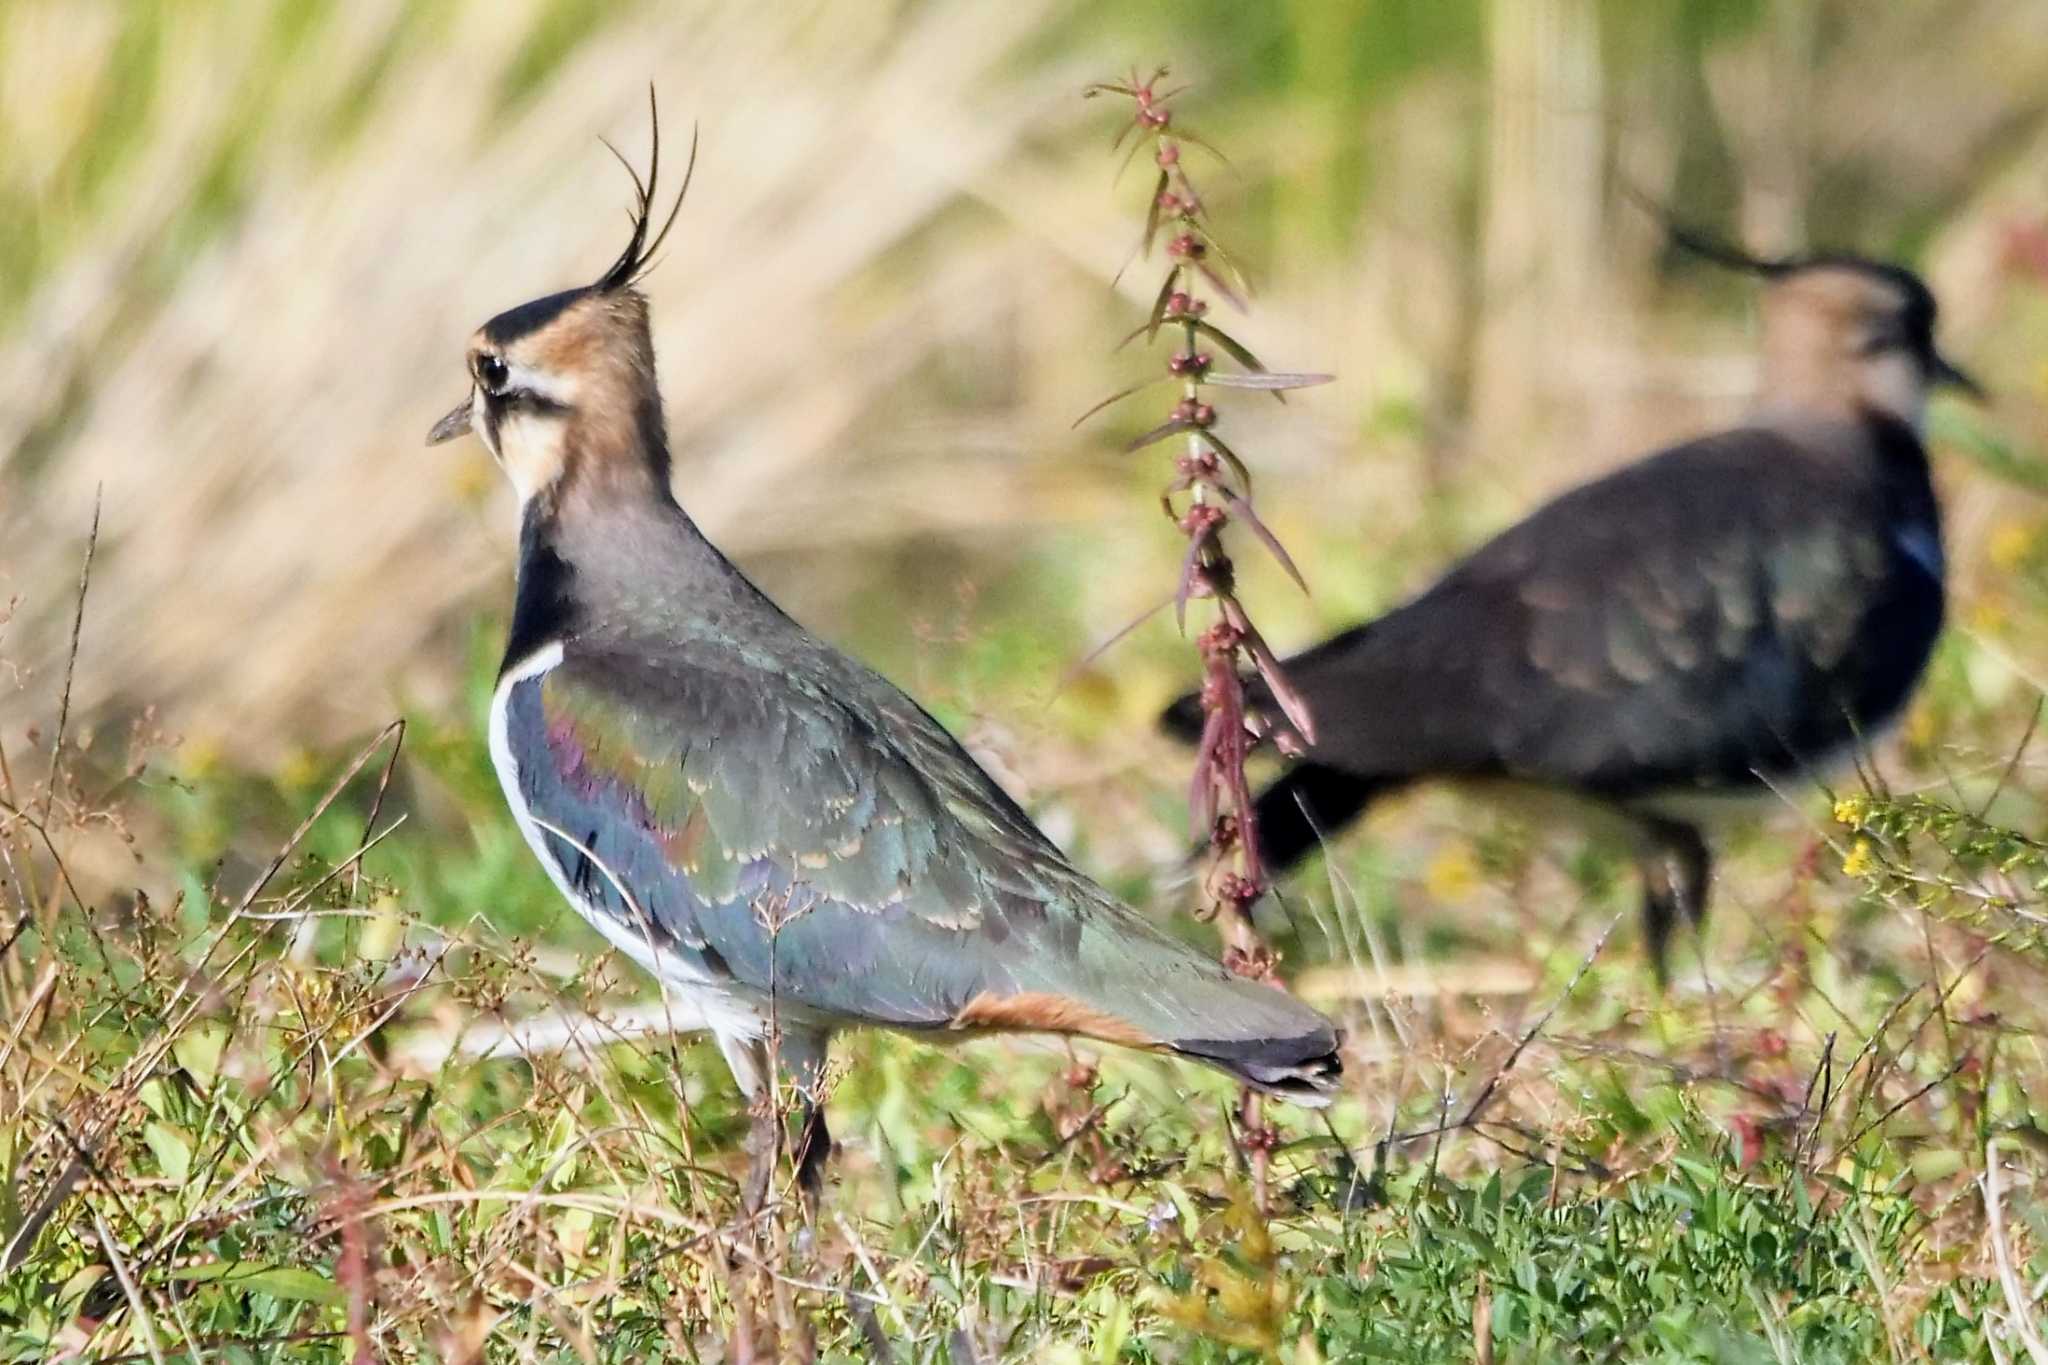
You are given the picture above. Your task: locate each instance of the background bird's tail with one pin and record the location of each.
(1309, 803)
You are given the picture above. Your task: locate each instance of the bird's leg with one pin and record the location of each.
(764, 1148)
(810, 1152)
(1675, 868)
(752, 1067)
(801, 1053)
(1659, 910)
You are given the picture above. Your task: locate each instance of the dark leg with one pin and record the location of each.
(801, 1055)
(1675, 866)
(812, 1151)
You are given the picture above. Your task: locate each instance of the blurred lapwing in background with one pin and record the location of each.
(772, 829)
(1719, 619)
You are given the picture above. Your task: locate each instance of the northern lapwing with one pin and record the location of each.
(768, 826)
(1720, 618)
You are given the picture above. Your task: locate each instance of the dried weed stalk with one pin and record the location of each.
(1211, 487)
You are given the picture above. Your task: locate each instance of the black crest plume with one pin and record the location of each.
(1721, 252)
(638, 257)
(1724, 253)
(1707, 246)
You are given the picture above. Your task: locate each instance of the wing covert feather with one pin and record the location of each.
(828, 842)
(1672, 624)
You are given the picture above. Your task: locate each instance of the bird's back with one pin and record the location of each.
(780, 825)
(1743, 603)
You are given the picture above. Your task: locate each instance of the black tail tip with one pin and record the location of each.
(1303, 1071)
(1311, 1084)
(1184, 718)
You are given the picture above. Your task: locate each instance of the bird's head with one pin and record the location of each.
(562, 389)
(1841, 332)
(1847, 331)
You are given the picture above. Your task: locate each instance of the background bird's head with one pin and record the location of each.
(1842, 333)
(562, 388)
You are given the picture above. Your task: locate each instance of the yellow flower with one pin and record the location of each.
(1452, 874)
(200, 756)
(299, 768)
(1862, 858)
(2009, 545)
(1850, 810)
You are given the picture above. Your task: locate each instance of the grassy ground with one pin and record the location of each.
(361, 1088)
(255, 1121)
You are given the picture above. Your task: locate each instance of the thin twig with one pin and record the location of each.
(2019, 1304)
(1867, 1129)
(128, 1287)
(1486, 1092)
(92, 542)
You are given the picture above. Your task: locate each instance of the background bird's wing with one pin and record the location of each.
(814, 834)
(1667, 625)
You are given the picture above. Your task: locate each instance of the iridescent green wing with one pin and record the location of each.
(824, 841)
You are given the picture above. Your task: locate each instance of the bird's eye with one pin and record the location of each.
(492, 372)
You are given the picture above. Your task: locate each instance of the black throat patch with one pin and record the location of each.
(543, 606)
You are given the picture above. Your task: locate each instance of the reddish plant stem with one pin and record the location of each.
(1217, 489)
(1219, 797)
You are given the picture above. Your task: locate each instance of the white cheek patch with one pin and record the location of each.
(1892, 383)
(530, 448)
(530, 434)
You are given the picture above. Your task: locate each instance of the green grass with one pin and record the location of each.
(246, 1118)
(238, 1122)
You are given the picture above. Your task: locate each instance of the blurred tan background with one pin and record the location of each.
(243, 243)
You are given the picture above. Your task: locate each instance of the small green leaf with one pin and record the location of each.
(1166, 288)
(1119, 397)
(198, 1050)
(279, 1281)
(1221, 286)
(1230, 458)
(1271, 380)
(172, 1147)
(1242, 510)
(1159, 433)
(1189, 136)
(1235, 348)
